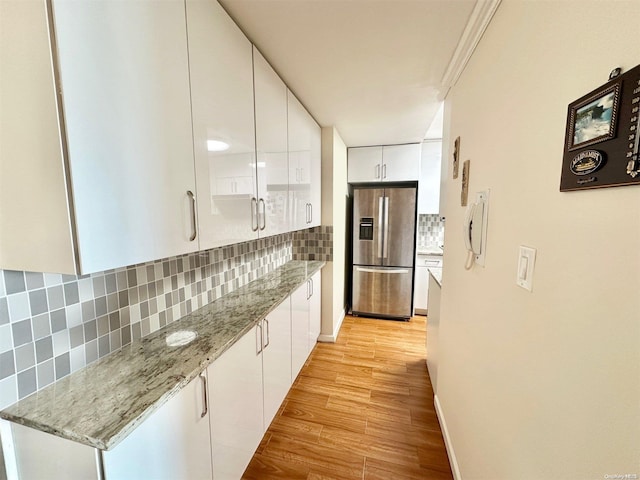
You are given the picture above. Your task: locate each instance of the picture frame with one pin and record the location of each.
(593, 119)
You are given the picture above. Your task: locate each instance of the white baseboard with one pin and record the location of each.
(333, 336)
(453, 461)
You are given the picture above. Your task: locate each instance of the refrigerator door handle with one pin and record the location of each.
(386, 227)
(382, 270)
(381, 220)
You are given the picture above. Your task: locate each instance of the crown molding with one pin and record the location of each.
(481, 15)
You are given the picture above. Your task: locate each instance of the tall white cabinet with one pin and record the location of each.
(223, 125)
(140, 131)
(429, 186)
(304, 138)
(124, 101)
(271, 146)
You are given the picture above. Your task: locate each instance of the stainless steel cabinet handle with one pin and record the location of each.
(205, 396)
(308, 290)
(264, 214)
(267, 343)
(194, 231)
(377, 171)
(311, 283)
(386, 227)
(311, 213)
(380, 224)
(258, 342)
(254, 214)
(384, 171)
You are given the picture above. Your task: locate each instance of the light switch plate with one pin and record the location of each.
(525, 267)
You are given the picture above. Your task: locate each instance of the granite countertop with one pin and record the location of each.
(429, 250)
(436, 273)
(102, 403)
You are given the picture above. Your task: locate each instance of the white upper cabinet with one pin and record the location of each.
(271, 147)
(364, 164)
(389, 163)
(304, 166)
(315, 207)
(107, 167)
(429, 183)
(125, 88)
(401, 162)
(220, 59)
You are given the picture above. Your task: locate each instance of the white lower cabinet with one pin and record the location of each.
(276, 359)
(248, 383)
(172, 443)
(421, 284)
(299, 328)
(235, 393)
(315, 305)
(305, 322)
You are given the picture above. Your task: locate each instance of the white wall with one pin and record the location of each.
(334, 205)
(541, 385)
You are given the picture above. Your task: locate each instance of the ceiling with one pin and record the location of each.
(372, 68)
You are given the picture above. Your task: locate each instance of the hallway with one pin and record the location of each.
(361, 408)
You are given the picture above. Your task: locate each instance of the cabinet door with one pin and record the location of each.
(429, 183)
(299, 140)
(315, 168)
(401, 162)
(223, 125)
(235, 393)
(420, 289)
(299, 328)
(315, 305)
(172, 443)
(364, 164)
(125, 84)
(276, 359)
(271, 146)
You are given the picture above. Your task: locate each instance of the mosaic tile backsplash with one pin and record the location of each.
(52, 324)
(430, 230)
(315, 244)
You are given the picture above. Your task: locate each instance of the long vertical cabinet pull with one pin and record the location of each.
(311, 213)
(264, 214)
(254, 214)
(266, 344)
(386, 227)
(377, 171)
(311, 283)
(205, 396)
(194, 226)
(380, 224)
(259, 347)
(384, 171)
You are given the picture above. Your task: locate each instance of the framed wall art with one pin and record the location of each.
(601, 136)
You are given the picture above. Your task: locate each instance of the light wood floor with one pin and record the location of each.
(361, 408)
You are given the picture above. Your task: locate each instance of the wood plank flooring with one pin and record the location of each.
(361, 408)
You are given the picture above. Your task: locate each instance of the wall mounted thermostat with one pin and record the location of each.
(601, 138)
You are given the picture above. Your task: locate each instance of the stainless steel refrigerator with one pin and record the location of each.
(384, 232)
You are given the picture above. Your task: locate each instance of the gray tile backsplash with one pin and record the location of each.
(430, 230)
(52, 324)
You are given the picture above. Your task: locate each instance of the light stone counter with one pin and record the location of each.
(436, 273)
(102, 403)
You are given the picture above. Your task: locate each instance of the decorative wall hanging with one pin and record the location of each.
(456, 157)
(601, 137)
(465, 183)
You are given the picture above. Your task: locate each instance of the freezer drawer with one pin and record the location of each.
(382, 291)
